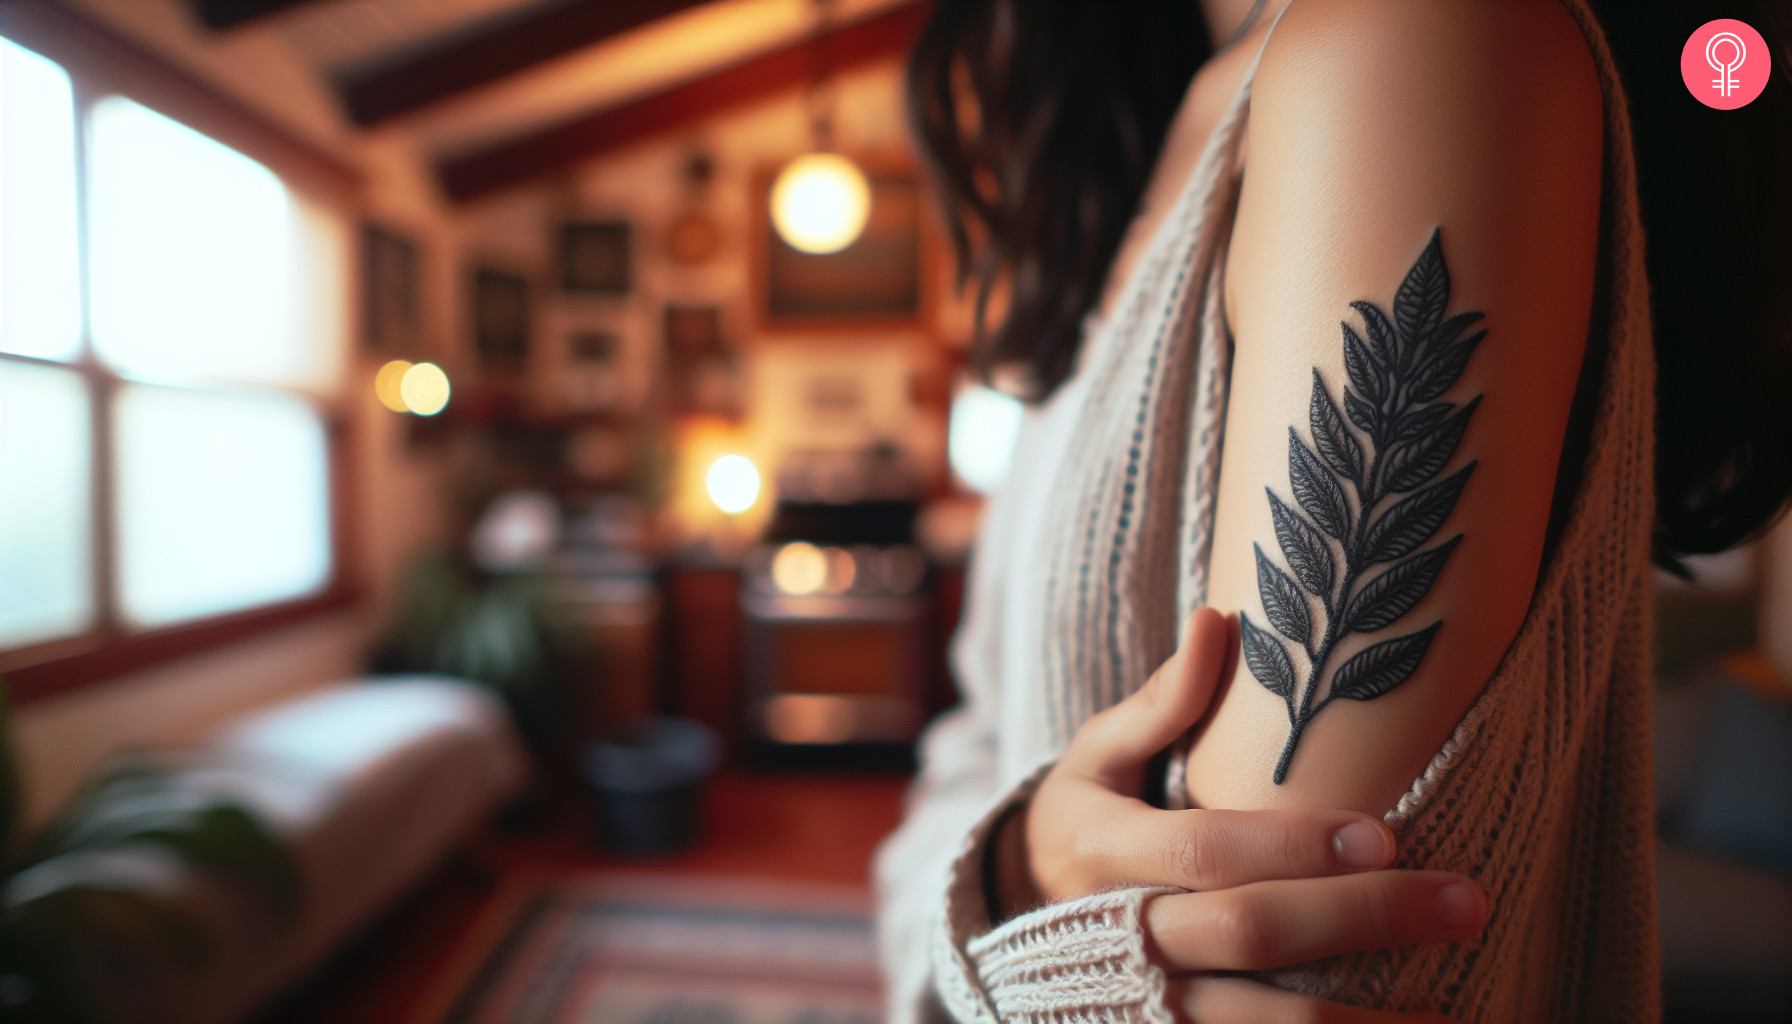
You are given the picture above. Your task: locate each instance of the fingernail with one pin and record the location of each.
(1360, 845)
(1459, 906)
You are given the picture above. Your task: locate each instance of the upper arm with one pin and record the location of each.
(1374, 123)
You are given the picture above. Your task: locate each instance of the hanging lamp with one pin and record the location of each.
(821, 200)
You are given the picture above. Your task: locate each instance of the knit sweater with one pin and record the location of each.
(1097, 548)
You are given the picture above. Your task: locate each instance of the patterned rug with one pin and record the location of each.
(669, 950)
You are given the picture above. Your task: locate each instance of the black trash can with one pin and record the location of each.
(648, 782)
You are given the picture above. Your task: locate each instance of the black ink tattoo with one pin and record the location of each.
(1344, 523)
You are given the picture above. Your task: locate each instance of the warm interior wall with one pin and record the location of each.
(646, 185)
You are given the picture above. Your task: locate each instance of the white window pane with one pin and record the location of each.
(223, 502)
(46, 588)
(194, 256)
(40, 292)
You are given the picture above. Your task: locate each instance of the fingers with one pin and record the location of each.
(1118, 740)
(1209, 1000)
(1203, 849)
(1273, 924)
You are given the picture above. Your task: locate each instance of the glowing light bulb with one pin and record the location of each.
(387, 384)
(820, 203)
(733, 483)
(424, 389)
(799, 568)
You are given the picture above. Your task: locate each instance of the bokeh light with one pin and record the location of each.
(424, 389)
(799, 568)
(733, 483)
(820, 203)
(843, 569)
(387, 384)
(980, 436)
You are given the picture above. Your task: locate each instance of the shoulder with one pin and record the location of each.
(1444, 63)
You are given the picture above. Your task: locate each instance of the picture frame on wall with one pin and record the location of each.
(596, 257)
(391, 321)
(877, 281)
(500, 318)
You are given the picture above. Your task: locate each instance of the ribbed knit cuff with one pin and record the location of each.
(1083, 960)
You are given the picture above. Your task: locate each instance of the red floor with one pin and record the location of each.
(812, 827)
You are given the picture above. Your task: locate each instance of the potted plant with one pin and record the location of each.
(82, 937)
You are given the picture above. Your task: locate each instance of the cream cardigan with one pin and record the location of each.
(1542, 794)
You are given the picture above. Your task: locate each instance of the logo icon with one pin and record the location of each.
(1725, 64)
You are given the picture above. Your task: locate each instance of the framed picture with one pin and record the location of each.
(391, 322)
(500, 318)
(703, 373)
(594, 257)
(874, 282)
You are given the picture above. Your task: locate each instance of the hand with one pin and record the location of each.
(1267, 888)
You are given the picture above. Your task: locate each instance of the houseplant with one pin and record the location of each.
(82, 938)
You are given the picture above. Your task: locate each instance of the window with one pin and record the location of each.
(164, 453)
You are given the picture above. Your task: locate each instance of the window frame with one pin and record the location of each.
(100, 64)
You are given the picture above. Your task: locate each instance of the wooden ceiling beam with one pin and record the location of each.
(547, 151)
(491, 50)
(219, 15)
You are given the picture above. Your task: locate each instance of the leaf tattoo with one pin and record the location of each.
(1365, 498)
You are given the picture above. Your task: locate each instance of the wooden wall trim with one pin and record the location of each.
(516, 161)
(109, 651)
(97, 665)
(102, 60)
(503, 46)
(223, 14)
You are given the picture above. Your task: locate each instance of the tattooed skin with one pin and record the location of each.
(1366, 497)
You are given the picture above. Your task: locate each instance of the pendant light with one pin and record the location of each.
(821, 200)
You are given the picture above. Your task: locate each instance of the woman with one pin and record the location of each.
(1434, 524)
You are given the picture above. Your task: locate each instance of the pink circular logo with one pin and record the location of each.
(1725, 64)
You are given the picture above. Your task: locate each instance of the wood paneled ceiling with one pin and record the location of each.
(497, 93)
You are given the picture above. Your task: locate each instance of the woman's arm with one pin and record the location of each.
(1387, 484)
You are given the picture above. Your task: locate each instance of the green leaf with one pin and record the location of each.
(207, 831)
(1306, 551)
(1266, 659)
(1395, 592)
(1283, 602)
(1380, 667)
(1412, 520)
(1336, 445)
(1316, 490)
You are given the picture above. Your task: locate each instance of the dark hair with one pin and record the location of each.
(1040, 121)
(1071, 102)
